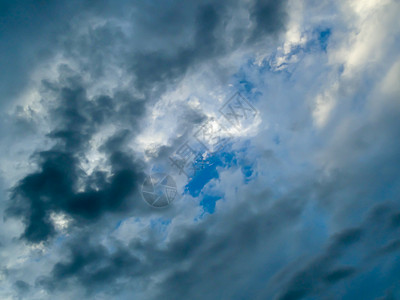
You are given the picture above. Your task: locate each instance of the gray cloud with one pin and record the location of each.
(76, 119)
(60, 185)
(310, 231)
(54, 187)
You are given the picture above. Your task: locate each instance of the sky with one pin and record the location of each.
(291, 110)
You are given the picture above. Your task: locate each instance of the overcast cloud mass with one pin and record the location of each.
(301, 203)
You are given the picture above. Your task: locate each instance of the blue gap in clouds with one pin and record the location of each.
(209, 172)
(246, 166)
(247, 172)
(208, 203)
(277, 139)
(224, 159)
(247, 85)
(205, 175)
(323, 38)
(242, 84)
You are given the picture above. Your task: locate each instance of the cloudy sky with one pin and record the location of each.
(299, 200)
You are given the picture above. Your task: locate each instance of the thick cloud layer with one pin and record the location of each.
(304, 204)
(60, 185)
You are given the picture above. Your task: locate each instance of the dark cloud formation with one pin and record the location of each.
(22, 287)
(54, 187)
(93, 266)
(29, 34)
(321, 270)
(248, 251)
(268, 17)
(218, 251)
(207, 248)
(209, 39)
(60, 185)
(325, 271)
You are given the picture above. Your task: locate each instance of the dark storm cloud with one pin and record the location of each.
(339, 274)
(224, 257)
(322, 269)
(208, 40)
(54, 187)
(75, 118)
(352, 191)
(92, 266)
(22, 287)
(220, 259)
(211, 250)
(183, 36)
(234, 254)
(217, 251)
(325, 271)
(269, 17)
(28, 35)
(156, 67)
